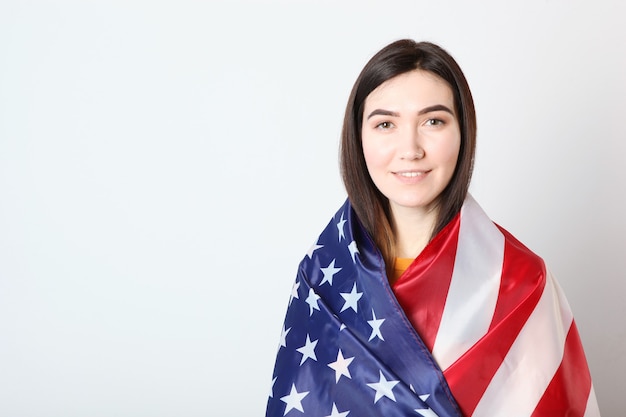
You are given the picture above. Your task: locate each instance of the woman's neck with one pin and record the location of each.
(413, 229)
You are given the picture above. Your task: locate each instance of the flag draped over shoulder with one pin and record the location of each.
(476, 326)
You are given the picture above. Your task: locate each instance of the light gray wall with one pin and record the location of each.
(164, 166)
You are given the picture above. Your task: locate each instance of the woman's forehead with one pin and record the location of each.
(411, 89)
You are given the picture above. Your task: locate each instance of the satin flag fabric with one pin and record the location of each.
(476, 326)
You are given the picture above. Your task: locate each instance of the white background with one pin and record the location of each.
(165, 165)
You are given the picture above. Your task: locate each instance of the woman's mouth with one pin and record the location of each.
(410, 177)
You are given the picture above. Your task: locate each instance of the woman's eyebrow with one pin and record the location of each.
(382, 112)
(425, 110)
(436, 107)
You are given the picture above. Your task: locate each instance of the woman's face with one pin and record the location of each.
(411, 138)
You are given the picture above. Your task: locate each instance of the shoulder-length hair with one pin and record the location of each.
(370, 205)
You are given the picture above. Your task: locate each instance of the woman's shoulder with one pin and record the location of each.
(331, 235)
(337, 247)
(520, 259)
(517, 256)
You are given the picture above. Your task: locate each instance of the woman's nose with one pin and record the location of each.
(411, 155)
(412, 149)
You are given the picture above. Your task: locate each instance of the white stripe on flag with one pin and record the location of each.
(528, 368)
(474, 287)
(592, 409)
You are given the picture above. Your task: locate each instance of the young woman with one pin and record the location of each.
(411, 301)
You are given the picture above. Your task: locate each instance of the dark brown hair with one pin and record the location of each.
(370, 205)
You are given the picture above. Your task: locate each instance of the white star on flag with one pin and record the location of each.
(383, 388)
(313, 249)
(425, 412)
(294, 291)
(294, 400)
(272, 387)
(375, 324)
(308, 350)
(353, 250)
(340, 366)
(283, 336)
(329, 273)
(351, 299)
(336, 413)
(311, 300)
(340, 227)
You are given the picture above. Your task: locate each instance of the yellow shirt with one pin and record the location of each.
(399, 266)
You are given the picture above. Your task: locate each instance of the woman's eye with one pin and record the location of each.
(434, 122)
(384, 125)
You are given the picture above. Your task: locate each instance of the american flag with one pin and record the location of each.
(475, 327)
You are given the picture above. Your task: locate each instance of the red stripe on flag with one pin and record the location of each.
(522, 272)
(521, 287)
(423, 288)
(569, 389)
